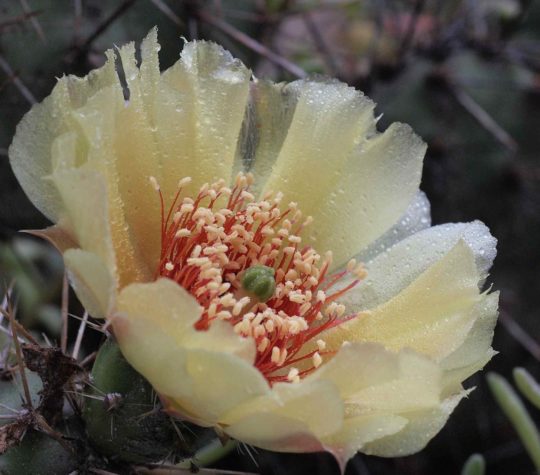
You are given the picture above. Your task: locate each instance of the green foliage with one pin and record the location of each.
(515, 410)
(123, 416)
(38, 454)
(475, 465)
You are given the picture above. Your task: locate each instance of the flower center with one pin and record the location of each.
(244, 262)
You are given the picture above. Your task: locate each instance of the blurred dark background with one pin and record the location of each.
(464, 73)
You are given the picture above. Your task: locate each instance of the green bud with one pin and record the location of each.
(122, 415)
(259, 281)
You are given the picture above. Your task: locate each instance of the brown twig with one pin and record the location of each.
(64, 310)
(20, 360)
(168, 12)
(250, 43)
(320, 44)
(122, 8)
(25, 92)
(33, 20)
(171, 470)
(18, 19)
(522, 337)
(80, 334)
(482, 117)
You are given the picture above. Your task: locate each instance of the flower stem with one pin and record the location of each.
(209, 454)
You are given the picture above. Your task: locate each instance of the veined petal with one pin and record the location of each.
(432, 315)
(379, 180)
(98, 121)
(198, 114)
(31, 152)
(136, 160)
(412, 256)
(421, 427)
(329, 121)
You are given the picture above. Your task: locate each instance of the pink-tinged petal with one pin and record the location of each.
(359, 431)
(58, 235)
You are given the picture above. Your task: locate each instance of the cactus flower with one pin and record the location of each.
(217, 221)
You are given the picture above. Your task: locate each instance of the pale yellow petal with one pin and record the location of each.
(91, 280)
(422, 426)
(416, 218)
(358, 431)
(358, 366)
(288, 417)
(329, 121)
(476, 350)
(378, 182)
(432, 315)
(31, 152)
(198, 116)
(84, 196)
(136, 160)
(154, 327)
(98, 120)
(274, 432)
(266, 125)
(479, 338)
(412, 256)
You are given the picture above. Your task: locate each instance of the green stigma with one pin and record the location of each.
(259, 281)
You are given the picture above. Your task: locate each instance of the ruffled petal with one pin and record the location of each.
(433, 315)
(412, 256)
(476, 350)
(369, 377)
(290, 419)
(329, 121)
(198, 113)
(376, 185)
(421, 427)
(33, 148)
(154, 327)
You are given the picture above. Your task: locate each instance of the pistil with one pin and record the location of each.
(244, 262)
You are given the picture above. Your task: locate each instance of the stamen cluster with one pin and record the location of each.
(209, 241)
